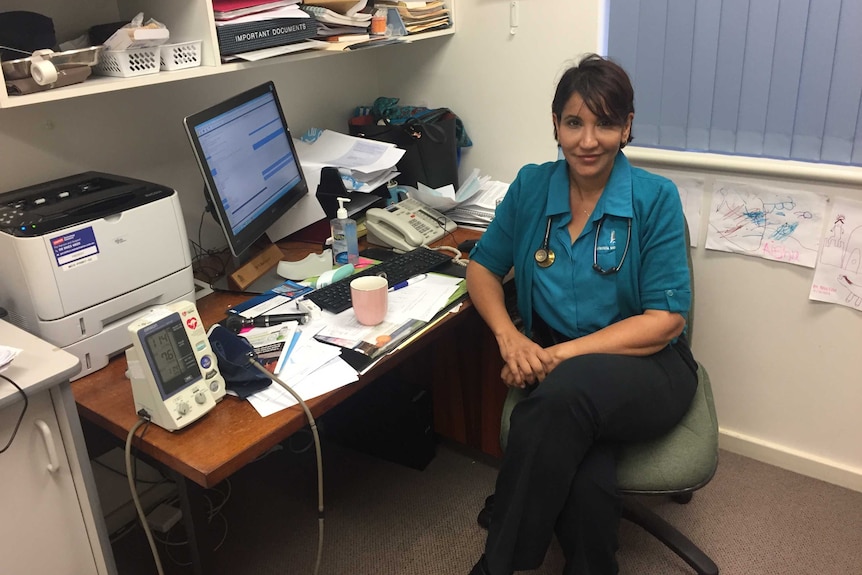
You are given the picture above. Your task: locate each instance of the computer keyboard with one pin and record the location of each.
(336, 296)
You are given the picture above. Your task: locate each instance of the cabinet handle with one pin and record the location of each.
(48, 437)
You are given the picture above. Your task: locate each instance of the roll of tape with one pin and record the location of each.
(43, 72)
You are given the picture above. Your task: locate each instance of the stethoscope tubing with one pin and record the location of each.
(545, 256)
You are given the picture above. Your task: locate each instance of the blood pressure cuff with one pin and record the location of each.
(233, 353)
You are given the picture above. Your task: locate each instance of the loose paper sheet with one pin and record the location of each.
(838, 274)
(691, 196)
(770, 223)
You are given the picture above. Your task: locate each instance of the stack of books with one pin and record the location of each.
(419, 16)
(245, 26)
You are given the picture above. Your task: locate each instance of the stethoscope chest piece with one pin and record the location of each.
(544, 257)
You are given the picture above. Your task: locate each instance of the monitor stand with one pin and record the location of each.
(255, 275)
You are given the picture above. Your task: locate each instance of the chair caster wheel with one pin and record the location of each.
(682, 498)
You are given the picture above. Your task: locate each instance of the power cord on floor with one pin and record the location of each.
(131, 477)
(313, 425)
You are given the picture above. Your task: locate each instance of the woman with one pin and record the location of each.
(599, 254)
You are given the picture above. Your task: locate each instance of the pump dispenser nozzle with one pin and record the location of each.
(341, 213)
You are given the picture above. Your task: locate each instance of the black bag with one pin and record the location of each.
(430, 145)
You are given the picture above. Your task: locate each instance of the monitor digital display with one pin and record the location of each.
(247, 158)
(170, 355)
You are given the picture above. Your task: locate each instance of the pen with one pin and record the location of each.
(408, 282)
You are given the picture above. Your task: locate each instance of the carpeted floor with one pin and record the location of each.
(385, 518)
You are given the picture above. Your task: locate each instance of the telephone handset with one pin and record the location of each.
(406, 225)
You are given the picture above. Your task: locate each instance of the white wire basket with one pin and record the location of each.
(180, 55)
(128, 63)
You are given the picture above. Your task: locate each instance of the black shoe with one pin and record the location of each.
(480, 568)
(484, 517)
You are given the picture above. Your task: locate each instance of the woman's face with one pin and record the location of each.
(589, 143)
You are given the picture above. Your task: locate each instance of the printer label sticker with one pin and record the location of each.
(75, 248)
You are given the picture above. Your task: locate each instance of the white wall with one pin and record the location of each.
(784, 369)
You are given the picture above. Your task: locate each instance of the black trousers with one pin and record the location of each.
(558, 475)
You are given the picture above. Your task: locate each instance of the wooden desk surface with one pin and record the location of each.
(233, 433)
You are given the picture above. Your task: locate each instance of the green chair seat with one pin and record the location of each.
(684, 459)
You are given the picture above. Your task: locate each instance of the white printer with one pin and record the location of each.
(83, 256)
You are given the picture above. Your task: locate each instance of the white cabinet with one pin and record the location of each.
(50, 521)
(186, 19)
(42, 530)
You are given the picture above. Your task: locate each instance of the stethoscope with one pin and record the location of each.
(545, 256)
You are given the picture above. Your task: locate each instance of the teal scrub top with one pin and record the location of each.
(569, 295)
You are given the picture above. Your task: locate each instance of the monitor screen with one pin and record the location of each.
(170, 355)
(248, 161)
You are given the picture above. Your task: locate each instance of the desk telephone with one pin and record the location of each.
(406, 225)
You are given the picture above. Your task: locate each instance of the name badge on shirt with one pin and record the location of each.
(611, 241)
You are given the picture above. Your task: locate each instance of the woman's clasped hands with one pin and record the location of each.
(526, 362)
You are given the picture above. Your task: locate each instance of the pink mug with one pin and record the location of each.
(370, 298)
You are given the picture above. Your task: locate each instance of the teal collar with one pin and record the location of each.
(616, 200)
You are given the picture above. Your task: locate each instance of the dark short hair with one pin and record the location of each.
(604, 86)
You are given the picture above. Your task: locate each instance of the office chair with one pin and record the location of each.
(676, 464)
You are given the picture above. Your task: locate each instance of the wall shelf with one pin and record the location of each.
(187, 20)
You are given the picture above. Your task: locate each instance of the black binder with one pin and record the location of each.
(249, 36)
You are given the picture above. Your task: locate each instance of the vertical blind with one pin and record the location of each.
(768, 78)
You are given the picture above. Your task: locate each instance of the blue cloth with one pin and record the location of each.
(576, 300)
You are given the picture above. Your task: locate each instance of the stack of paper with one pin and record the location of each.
(225, 10)
(472, 205)
(419, 16)
(312, 369)
(364, 164)
(343, 7)
(337, 19)
(478, 207)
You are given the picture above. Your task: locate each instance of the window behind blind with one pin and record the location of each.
(768, 78)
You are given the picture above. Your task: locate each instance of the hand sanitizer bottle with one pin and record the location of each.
(345, 244)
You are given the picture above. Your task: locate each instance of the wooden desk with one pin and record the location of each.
(461, 368)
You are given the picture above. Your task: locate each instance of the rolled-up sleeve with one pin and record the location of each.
(495, 249)
(665, 282)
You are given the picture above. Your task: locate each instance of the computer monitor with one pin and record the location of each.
(249, 164)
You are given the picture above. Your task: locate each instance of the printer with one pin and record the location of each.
(84, 256)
